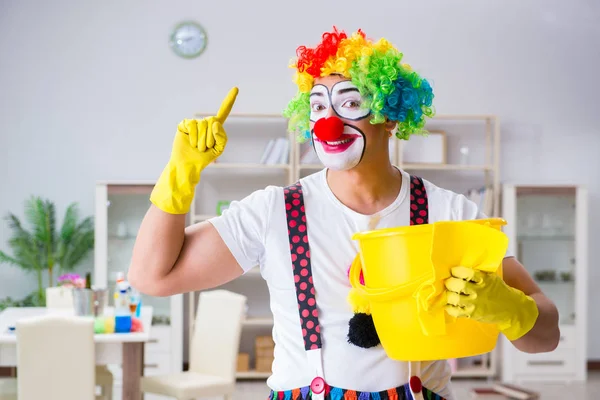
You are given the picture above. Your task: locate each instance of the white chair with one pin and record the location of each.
(62, 298)
(213, 353)
(8, 389)
(55, 358)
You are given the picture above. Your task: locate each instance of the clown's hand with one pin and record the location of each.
(197, 144)
(484, 297)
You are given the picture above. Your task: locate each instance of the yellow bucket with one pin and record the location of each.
(404, 269)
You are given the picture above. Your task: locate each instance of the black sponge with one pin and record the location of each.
(362, 332)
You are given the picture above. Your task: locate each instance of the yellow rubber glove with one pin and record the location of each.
(470, 244)
(485, 297)
(197, 144)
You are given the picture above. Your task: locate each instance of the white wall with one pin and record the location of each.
(91, 91)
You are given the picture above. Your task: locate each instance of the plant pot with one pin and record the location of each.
(90, 302)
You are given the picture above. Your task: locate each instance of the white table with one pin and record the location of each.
(112, 348)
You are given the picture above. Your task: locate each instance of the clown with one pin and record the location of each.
(354, 93)
(345, 82)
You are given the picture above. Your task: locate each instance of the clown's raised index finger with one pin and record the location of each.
(227, 105)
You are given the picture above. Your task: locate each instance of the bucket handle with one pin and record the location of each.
(383, 294)
(432, 321)
(428, 289)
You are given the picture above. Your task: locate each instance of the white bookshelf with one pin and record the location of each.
(237, 173)
(232, 179)
(481, 135)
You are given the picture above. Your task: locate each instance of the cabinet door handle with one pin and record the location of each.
(153, 341)
(150, 365)
(546, 363)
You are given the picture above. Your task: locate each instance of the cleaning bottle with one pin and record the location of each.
(122, 311)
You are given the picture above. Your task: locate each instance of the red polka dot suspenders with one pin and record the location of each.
(305, 290)
(300, 253)
(419, 207)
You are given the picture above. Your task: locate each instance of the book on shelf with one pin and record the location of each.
(277, 151)
(484, 198)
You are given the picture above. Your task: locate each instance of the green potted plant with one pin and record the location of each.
(44, 248)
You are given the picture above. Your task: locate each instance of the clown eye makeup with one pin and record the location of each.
(317, 107)
(319, 102)
(348, 102)
(345, 99)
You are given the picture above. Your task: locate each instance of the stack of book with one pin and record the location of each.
(276, 152)
(243, 362)
(264, 348)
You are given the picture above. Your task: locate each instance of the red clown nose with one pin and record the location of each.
(329, 129)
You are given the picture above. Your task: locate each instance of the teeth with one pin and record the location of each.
(337, 142)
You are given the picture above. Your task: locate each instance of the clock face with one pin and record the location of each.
(188, 39)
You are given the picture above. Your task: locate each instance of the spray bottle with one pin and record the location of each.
(122, 303)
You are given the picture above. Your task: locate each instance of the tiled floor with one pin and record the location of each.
(554, 391)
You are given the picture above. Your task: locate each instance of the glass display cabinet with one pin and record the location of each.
(120, 208)
(548, 232)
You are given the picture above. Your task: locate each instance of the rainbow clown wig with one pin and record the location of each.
(390, 89)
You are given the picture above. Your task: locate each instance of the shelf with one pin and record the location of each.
(543, 190)
(310, 166)
(258, 321)
(546, 237)
(248, 166)
(252, 375)
(460, 117)
(446, 167)
(253, 172)
(443, 167)
(474, 372)
(279, 117)
(249, 116)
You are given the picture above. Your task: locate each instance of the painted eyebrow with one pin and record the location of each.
(347, 90)
(316, 94)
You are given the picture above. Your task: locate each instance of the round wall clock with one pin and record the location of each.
(188, 39)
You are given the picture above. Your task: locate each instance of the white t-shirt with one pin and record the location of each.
(255, 231)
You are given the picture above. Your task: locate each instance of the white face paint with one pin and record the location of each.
(344, 101)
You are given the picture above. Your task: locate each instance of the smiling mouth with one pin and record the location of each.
(338, 142)
(340, 145)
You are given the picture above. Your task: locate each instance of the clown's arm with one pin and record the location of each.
(169, 258)
(545, 334)
(526, 317)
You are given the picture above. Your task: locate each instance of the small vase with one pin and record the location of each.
(464, 155)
